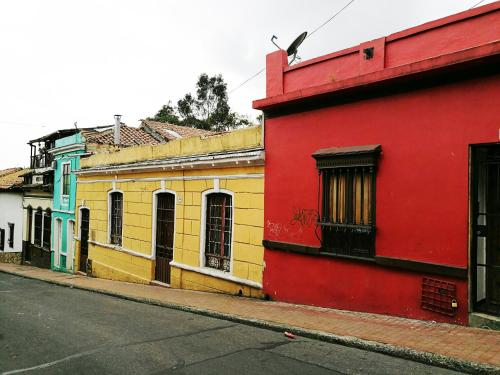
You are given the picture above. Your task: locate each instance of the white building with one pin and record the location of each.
(11, 215)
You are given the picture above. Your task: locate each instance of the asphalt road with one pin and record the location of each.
(47, 329)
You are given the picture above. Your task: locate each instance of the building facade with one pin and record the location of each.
(66, 153)
(382, 173)
(38, 199)
(11, 215)
(188, 213)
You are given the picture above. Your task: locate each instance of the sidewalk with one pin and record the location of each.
(456, 347)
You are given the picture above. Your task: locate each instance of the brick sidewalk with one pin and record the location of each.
(446, 343)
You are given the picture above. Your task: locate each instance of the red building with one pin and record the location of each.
(382, 187)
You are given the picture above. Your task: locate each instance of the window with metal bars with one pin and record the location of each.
(11, 235)
(47, 223)
(116, 218)
(66, 178)
(347, 218)
(218, 232)
(38, 227)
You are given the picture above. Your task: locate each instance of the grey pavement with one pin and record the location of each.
(48, 329)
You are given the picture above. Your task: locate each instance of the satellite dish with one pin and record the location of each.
(292, 50)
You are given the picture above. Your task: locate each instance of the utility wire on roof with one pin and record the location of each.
(475, 5)
(331, 18)
(316, 29)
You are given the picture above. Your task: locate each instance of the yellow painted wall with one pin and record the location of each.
(247, 250)
(238, 139)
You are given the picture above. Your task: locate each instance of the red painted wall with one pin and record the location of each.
(422, 194)
(422, 179)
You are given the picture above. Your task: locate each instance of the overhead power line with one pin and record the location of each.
(475, 5)
(311, 33)
(331, 18)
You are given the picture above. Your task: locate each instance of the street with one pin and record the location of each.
(50, 329)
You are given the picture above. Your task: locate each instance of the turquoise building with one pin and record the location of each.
(67, 153)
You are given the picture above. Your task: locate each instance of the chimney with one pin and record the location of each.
(117, 129)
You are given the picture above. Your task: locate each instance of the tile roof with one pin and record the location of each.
(11, 178)
(171, 131)
(128, 137)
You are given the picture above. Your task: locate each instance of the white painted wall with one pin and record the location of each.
(11, 211)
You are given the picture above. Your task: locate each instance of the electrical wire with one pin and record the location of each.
(331, 18)
(475, 5)
(316, 29)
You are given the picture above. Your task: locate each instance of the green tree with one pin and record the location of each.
(167, 113)
(208, 109)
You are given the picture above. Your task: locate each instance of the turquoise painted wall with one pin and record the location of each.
(64, 205)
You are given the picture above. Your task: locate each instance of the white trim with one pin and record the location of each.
(109, 211)
(178, 178)
(121, 249)
(63, 211)
(216, 185)
(153, 216)
(67, 148)
(216, 160)
(57, 245)
(70, 244)
(61, 182)
(215, 273)
(203, 224)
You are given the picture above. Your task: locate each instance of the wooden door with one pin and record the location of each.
(165, 218)
(84, 238)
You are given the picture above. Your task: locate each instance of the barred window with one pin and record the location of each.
(348, 199)
(218, 231)
(2, 239)
(11, 235)
(66, 178)
(38, 227)
(47, 223)
(116, 218)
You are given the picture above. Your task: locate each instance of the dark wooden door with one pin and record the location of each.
(487, 230)
(165, 218)
(84, 239)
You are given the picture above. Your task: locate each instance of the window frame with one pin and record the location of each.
(47, 232)
(110, 218)
(358, 238)
(37, 242)
(63, 180)
(203, 234)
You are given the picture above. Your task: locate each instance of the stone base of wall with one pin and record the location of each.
(184, 279)
(104, 271)
(14, 258)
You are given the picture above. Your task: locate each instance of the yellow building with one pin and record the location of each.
(188, 213)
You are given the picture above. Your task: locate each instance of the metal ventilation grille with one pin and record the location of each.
(438, 296)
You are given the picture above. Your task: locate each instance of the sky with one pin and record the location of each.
(84, 61)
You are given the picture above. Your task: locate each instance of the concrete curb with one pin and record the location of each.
(354, 342)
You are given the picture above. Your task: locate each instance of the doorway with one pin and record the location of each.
(485, 254)
(84, 238)
(164, 240)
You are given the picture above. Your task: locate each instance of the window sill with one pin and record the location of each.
(121, 249)
(216, 273)
(348, 257)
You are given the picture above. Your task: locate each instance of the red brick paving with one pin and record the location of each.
(465, 343)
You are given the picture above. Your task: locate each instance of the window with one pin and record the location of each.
(11, 235)
(66, 178)
(47, 222)
(38, 227)
(348, 199)
(29, 217)
(2, 239)
(218, 231)
(116, 218)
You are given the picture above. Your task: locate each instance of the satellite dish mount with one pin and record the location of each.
(293, 48)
